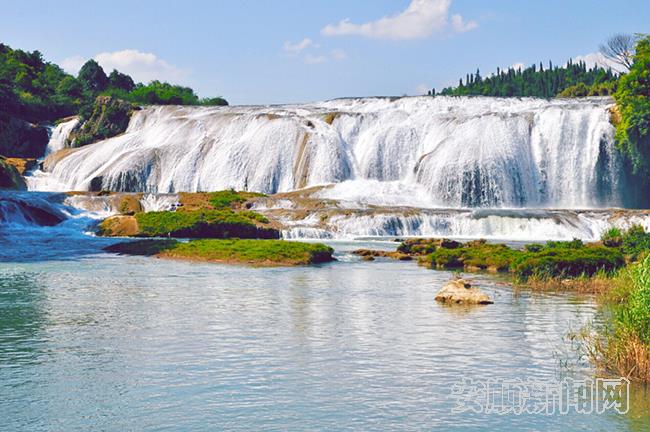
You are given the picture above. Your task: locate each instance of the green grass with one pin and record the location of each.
(230, 197)
(567, 262)
(634, 311)
(223, 223)
(256, 252)
(553, 260)
(622, 344)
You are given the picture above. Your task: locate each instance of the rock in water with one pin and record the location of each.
(10, 178)
(460, 291)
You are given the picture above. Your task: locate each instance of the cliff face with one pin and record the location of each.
(109, 117)
(19, 138)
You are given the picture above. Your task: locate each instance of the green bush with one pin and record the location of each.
(573, 244)
(567, 262)
(613, 237)
(447, 258)
(636, 242)
(497, 256)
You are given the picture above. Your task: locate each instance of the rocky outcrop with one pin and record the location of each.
(371, 254)
(109, 117)
(21, 139)
(10, 178)
(22, 164)
(460, 291)
(25, 209)
(119, 226)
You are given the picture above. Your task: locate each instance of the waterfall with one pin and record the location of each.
(515, 225)
(59, 135)
(439, 152)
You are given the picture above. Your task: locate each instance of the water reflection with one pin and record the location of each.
(345, 345)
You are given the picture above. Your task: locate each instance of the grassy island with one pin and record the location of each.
(232, 251)
(220, 214)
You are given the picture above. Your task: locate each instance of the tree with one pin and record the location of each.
(92, 77)
(69, 86)
(619, 49)
(121, 81)
(633, 104)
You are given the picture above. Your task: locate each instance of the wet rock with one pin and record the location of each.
(10, 178)
(460, 291)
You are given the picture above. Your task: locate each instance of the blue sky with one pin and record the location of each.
(256, 51)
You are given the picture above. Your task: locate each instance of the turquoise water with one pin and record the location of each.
(103, 342)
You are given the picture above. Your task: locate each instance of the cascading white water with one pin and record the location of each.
(519, 225)
(441, 152)
(59, 135)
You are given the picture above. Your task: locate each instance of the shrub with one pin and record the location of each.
(448, 258)
(567, 262)
(613, 237)
(533, 247)
(497, 256)
(636, 242)
(573, 244)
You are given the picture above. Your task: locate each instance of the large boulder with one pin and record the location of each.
(10, 178)
(460, 291)
(21, 139)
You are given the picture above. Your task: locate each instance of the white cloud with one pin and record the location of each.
(597, 59)
(338, 54)
(516, 66)
(72, 64)
(296, 48)
(142, 67)
(422, 89)
(419, 20)
(315, 59)
(460, 25)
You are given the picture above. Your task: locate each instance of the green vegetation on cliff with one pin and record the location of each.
(106, 118)
(633, 103)
(33, 90)
(253, 252)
